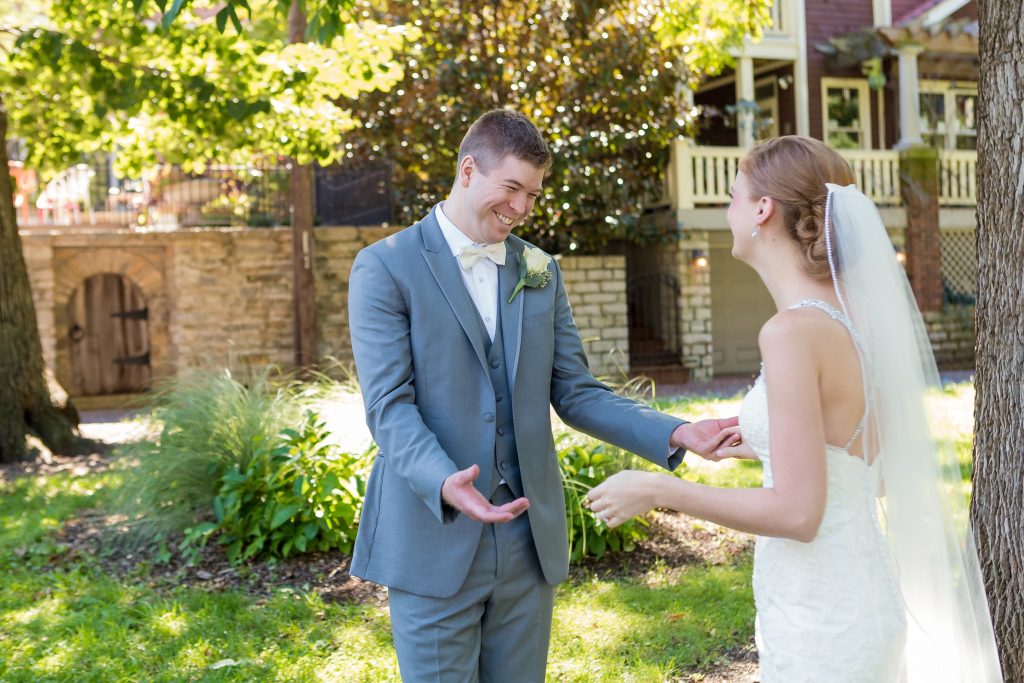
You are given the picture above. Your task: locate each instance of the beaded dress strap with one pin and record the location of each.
(837, 315)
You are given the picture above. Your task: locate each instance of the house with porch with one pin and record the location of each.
(892, 85)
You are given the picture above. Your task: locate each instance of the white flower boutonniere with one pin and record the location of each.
(533, 270)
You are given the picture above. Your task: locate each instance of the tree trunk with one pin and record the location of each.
(997, 507)
(26, 406)
(302, 232)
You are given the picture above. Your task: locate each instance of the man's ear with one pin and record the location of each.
(467, 167)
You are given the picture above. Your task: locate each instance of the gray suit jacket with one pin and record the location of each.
(430, 406)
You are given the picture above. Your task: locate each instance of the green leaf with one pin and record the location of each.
(222, 19)
(283, 514)
(202, 528)
(171, 14)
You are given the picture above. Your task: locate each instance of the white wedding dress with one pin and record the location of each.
(828, 610)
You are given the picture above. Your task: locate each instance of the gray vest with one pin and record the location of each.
(506, 456)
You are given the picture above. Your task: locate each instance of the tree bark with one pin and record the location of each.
(997, 507)
(304, 281)
(26, 406)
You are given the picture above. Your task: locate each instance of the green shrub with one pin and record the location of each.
(212, 423)
(297, 493)
(583, 467)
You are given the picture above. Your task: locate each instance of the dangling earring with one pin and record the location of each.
(757, 231)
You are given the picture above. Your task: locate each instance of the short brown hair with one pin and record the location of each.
(793, 170)
(500, 133)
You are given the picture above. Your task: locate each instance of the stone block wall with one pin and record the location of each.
(232, 298)
(222, 297)
(695, 304)
(951, 332)
(596, 286)
(335, 250)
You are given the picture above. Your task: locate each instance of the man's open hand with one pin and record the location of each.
(458, 492)
(705, 437)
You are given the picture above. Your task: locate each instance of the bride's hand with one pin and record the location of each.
(623, 496)
(734, 446)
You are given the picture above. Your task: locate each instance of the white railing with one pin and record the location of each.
(778, 19)
(701, 176)
(877, 174)
(958, 178)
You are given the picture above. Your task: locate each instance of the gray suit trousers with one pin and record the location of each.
(495, 629)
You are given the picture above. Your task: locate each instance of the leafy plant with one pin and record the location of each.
(212, 423)
(297, 493)
(583, 467)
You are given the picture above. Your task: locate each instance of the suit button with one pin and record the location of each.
(495, 364)
(488, 417)
(501, 431)
(497, 398)
(502, 465)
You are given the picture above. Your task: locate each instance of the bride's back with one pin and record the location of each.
(840, 378)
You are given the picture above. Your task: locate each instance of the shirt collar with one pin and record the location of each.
(455, 238)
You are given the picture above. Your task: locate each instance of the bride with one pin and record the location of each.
(864, 569)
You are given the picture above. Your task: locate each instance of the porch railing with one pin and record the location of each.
(777, 13)
(701, 176)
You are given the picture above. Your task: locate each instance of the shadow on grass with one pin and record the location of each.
(79, 625)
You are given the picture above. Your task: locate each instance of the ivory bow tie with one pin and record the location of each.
(471, 253)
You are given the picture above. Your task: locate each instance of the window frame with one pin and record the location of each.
(949, 90)
(864, 105)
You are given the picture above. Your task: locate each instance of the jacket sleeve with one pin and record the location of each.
(589, 406)
(381, 345)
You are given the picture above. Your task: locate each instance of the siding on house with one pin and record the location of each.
(826, 19)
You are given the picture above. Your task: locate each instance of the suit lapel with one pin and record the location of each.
(444, 268)
(511, 314)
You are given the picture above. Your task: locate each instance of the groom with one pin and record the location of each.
(464, 519)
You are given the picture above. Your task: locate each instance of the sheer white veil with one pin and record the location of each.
(925, 514)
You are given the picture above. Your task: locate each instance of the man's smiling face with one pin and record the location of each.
(499, 199)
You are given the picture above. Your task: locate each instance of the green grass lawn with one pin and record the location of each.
(64, 618)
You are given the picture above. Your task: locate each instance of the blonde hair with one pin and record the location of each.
(793, 170)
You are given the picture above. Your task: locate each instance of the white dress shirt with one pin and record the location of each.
(481, 280)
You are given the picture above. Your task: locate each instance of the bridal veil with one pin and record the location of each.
(924, 511)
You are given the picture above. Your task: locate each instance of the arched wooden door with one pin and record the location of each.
(108, 337)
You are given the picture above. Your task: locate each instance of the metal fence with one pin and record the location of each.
(256, 195)
(167, 197)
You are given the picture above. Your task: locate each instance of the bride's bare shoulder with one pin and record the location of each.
(799, 328)
(805, 333)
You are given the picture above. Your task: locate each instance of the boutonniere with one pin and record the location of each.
(533, 270)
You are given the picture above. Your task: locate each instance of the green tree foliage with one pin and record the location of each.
(603, 79)
(101, 77)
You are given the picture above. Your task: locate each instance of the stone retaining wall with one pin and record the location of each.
(952, 335)
(223, 296)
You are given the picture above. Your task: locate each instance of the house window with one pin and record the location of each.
(766, 122)
(846, 111)
(948, 115)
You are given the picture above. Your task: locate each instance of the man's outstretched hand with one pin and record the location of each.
(705, 437)
(457, 490)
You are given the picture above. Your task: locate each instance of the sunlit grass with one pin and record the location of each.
(639, 630)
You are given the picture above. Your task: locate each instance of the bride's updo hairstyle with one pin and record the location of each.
(793, 170)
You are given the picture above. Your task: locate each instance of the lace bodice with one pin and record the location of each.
(829, 609)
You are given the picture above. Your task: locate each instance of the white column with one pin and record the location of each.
(910, 101)
(881, 12)
(800, 87)
(745, 100)
(681, 165)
